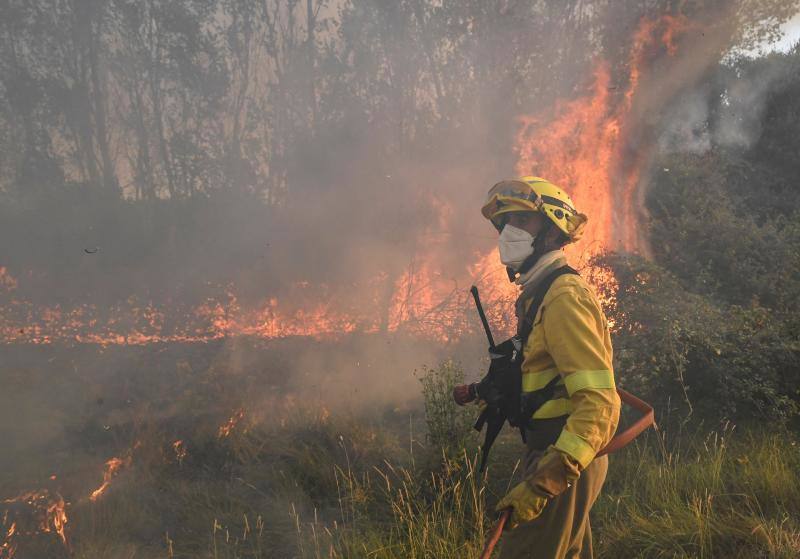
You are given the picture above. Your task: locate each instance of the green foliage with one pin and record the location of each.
(448, 423)
(439, 515)
(721, 494)
(711, 229)
(688, 350)
(710, 325)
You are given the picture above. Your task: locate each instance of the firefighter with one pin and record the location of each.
(570, 339)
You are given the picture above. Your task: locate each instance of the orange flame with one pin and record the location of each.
(423, 303)
(226, 428)
(584, 145)
(31, 513)
(577, 151)
(180, 450)
(584, 148)
(112, 468)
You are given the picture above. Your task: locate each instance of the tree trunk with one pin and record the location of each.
(144, 166)
(110, 181)
(155, 94)
(311, 53)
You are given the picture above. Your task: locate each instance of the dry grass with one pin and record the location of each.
(312, 484)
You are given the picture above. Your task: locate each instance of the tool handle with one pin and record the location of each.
(494, 537)
(487, 329)
(646, 420)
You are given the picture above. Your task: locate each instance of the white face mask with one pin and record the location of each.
(515, 246)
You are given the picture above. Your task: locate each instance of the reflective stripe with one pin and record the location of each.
(558, 203)
(537, 380)
(554, 408)
(580, 380)
(576, 447)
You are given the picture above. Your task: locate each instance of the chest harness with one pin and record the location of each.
(501, 388)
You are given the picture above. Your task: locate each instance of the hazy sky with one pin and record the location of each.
(791, 34)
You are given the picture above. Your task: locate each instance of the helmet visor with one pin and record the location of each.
(513, 190)
(509, 196)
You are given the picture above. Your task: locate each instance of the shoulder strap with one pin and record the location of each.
(526, 326)
(492, 416)
(532, 401)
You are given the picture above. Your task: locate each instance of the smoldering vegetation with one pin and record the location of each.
(141, 443)
(189, 146)
(187, 455)
(175, 153)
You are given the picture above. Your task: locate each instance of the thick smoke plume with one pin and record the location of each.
(258, 171)
(724, 111)
(209, 206)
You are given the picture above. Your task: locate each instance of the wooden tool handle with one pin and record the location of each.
(623, 439)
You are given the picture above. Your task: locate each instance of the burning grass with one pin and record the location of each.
(293, 478)
(423, 303)
(583, 144)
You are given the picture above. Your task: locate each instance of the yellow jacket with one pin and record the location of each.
(571, 338)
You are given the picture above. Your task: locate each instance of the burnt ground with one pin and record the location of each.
(66, 410)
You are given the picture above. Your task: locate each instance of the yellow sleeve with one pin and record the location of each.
(577, 338)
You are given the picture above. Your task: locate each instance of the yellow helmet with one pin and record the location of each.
(534, 194)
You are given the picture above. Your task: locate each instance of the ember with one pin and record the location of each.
(226, 428)
(31, 514)
(583, 149)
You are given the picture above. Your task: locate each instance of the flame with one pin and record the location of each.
(113, 467)
(584, 144)
(577, 151)
(422, 303)
(180, 450)
(31, 513)
(226, 428)
(585, 148)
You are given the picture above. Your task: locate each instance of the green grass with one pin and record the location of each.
(312, 484)
(727, 494)
(724, 494)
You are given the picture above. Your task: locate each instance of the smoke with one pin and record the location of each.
(725, 111)
(686, 127)
(287, 193)
(353, 213)
(281, 217)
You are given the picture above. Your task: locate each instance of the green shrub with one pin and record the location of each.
(688, 351)
(448, 423)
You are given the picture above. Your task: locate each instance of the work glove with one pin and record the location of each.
(555, 472)
(525, 502)
(464, 394)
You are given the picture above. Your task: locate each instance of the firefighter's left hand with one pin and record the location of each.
(526, 504)
(463, 394)
(555, 473)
